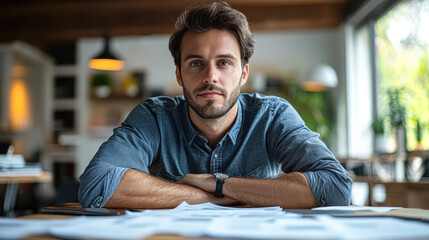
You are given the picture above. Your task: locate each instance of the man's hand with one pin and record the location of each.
(207, 183)
(202, 181)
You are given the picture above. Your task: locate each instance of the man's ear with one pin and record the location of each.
(244, 75)
(178, 77)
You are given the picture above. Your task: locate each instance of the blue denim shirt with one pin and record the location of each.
(268, 134)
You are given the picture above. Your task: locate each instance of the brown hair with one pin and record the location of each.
(216, 15)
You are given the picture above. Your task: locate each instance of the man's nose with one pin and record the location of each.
(211, 74)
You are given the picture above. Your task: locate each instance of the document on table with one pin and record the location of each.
(357, 208)
(219, 222)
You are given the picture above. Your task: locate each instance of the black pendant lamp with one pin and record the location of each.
(106, 60)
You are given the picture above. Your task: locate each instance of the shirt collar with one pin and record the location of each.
(235, 129)
(188, 128)
(191, 132)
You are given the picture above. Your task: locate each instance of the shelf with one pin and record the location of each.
(118, 97)
(56, 150)
(65, 104)
(419, 153)
(65, 71)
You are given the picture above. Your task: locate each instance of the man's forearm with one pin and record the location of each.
(289, 191)
(140, 190)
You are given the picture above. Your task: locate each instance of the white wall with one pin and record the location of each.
(293, 52)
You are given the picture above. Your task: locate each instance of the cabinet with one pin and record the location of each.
(65, 104)
(60, 154)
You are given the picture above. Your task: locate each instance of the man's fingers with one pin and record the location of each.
(204, 181)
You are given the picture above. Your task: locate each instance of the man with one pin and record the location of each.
(213, 144)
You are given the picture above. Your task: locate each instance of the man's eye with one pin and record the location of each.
(224, 63)
(195, 64)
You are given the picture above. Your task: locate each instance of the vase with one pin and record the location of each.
(401, 153)
(102, 91)
(401, 140)
(380, 143)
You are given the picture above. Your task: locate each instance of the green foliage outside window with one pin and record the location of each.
(402, 47)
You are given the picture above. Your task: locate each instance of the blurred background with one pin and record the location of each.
(356, 71)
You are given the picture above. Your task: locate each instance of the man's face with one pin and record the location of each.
(211, 74)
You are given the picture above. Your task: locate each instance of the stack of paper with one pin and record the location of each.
(15, 166)
(11, 161)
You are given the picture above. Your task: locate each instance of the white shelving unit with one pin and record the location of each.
(64, 115)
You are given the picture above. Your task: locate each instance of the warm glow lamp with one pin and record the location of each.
(320, 78)
(20, 108)
(106, 60)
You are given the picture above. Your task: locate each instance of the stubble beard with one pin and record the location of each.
(208, 111)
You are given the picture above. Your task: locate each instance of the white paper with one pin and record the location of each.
(358, 208)
(209, 220)
(210, 210)
(116, 227)
(11, 228)
(279, 228)
(376, 228)
(212, 206)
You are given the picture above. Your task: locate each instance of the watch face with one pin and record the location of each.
(221, 176)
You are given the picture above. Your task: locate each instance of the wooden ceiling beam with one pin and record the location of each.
(69, 20)
(17, 7)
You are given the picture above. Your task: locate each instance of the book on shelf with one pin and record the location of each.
(11, 160)
(15, 166)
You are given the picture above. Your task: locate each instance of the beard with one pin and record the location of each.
(208, 110)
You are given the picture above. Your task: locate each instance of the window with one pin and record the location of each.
(401, 43)
(387, 58)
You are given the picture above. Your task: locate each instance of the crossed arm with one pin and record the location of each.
(140, 190)
(288, 191)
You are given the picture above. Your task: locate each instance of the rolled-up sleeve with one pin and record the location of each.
(132, 146)
(95, 192)
(328, 180)
(300, 150)
(330, 188)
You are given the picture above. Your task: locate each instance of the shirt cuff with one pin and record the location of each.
(110, 183)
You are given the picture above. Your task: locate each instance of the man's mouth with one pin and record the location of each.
(209, 94)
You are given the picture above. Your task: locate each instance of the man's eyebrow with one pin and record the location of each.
(226, 56)
(192, 56)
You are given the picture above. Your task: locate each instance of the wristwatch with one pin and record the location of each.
(220, 179)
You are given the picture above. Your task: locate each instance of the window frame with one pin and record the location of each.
(366, 15)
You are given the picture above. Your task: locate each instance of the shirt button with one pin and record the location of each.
(215, 155)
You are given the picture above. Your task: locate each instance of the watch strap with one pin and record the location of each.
(219, 187)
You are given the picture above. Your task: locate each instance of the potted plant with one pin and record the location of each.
(419, 135)
(397, 117)
(101, 85)
(378, 129)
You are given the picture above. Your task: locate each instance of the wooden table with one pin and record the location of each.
(12, 189)
(399, 194)
(406, 213)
